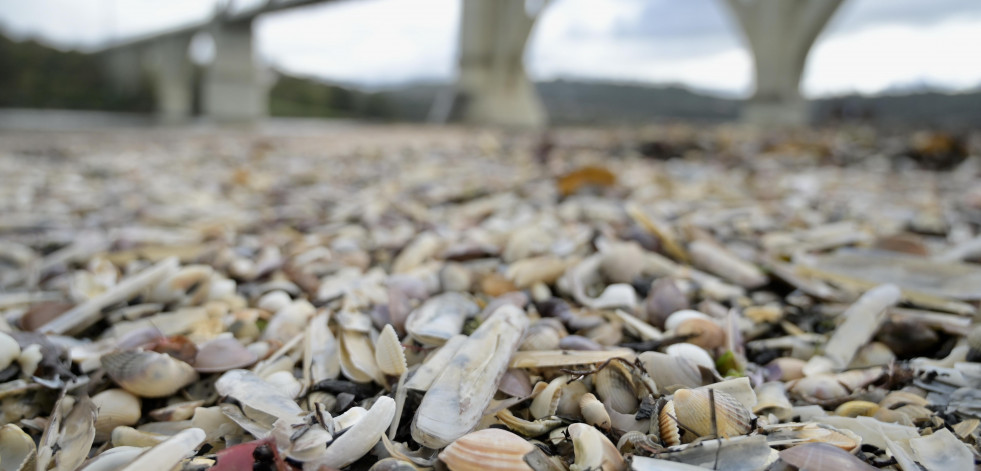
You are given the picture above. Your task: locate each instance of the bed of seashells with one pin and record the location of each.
(393, 298)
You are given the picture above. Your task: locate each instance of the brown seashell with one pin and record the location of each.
(668, 425)
(148, 374)
(823, 457)
(115, 407)
(593, 412)
(223, 354)
(857, 408)
(706, 333)
(732, 418)
(487, 449)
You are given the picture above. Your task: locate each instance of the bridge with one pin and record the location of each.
(491, 87)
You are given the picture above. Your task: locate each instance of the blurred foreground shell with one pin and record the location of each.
(488, 449)
(116, 407)
(148, 374)
(17, 450)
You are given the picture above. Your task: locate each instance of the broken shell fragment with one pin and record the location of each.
(361, 437)
(593, 450)
(148, 374)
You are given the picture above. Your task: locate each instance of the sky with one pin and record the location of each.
(870, 46)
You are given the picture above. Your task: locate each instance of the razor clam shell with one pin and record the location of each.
(455, 402)
(440, 318)
(720, 261)
(112, 459)
(434, 365)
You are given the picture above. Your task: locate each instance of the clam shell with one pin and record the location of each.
(148, 374)
(593, 450)
(487, 449)
(615, 385)
(223, 354)
(594, 412)
(362, 436)
(667, 421)
(669, 372)
(823, 457)
(17, 449)
(705, 333)
(732, 418)
(116, 407)
(547, 401)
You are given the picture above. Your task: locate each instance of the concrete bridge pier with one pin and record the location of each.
(233, 89)
(780, 34)
(172, 75)
(492, 86)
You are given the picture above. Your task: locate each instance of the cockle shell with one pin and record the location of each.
(148, 374)
(116, 407)
(693, 412)
(488, 449)
(389, 353)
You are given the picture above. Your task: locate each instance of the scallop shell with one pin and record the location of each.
(148, 374)
(732, 418)
(594, 412)
(487, 449)
(593, 450)
(17, 449)
(116, 407)
(223, 354)
(668, 425)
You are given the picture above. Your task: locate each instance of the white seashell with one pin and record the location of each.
(321, 351)
(275, 300)
(113, 458)
(17, 449)
(455, 402)
(720, 261)
(676, 318)
(188, 286)
(619, 295)
(29, 359)
(170, 452)
(389, 352)
(693, 353)
(614, 385)
(360, 438)
(285, 382)
(488, 449)
(68, 437)
(440, 318)
(357, 358)
(547, 401)
(569, 399)
(941, 451)
(424, 247)
(593, 450)
(546, 269)
(861, 320)
(289, 321)
(693, 410)
(148, 374)
(9, 350)
(435, 363)
(252, 391)
(669, 372)
(115, 407)
(223, 354)
(349, 418)
(593, 412)
(772, 399)
(129, 436)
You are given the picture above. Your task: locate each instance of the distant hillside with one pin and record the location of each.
(35, 76)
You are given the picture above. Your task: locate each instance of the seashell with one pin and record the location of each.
(857, 408)
(720, 261)
(785, 369)
(455, 402)
(440, 318)
(29, 359)
(668, 425)
(455, 277)
(321, 351)
(252, 391)
(703, 332)
(148, 374)
(676, 318)
(113, 458)
(547, 401)
(116, 407)
(772, 398)
(357, 358)
(663, 300)
(389, 353)
(546, 269)
(593, 450)
(941, 450)
(578, 342)
(636, 443)
(670, 372)
(274, 300)
(176, 411)
(424, 247)
(569, 399)
(798, 433)
(891, 416)
(897, 399)
(693, 353)
(608, 333)
(68, 436)
(285, 382)
(619, 295)
(526, 242)
(515, 383)
(17, 449)
(9, 350)
(545, 334)
(822, 387)
(872, 354)
(488, 449)
(823, 457)
(694, 412)
(622, 262)
(129, 436)
(361, 437)
(223, 354)
(593, 412)
(169, 453)
(528, 428)
(392, 464)
(188, 286)
(614, 385)
(435, 363)
(289, 321)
